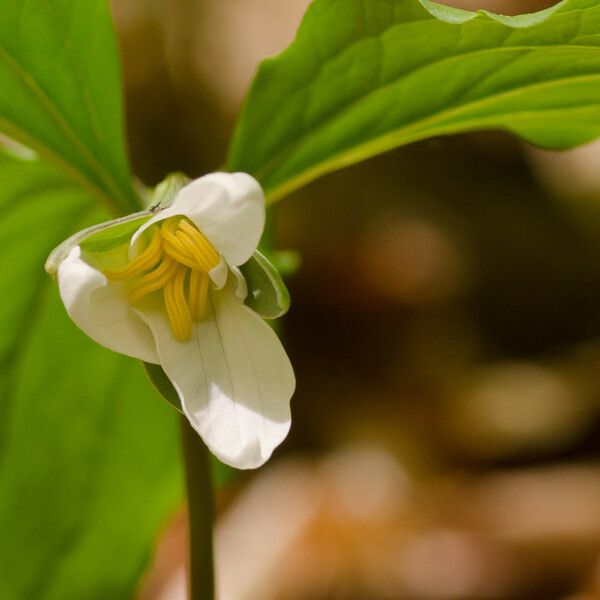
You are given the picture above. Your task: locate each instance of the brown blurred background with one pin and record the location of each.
(445, 331)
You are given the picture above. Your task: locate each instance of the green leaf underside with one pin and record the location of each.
(267, 294)
(365, 76)
(89, 467)
(61, 93)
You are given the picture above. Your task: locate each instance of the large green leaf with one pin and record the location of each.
(60, 91)
(364, 76)
(89, 460)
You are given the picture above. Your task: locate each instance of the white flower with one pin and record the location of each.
(169, 292)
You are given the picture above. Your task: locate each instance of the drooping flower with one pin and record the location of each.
(167, 288)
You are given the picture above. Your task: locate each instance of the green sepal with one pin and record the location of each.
(98, 238)
(267, 294)
(108, 236)
(113, 236)
(163, 384)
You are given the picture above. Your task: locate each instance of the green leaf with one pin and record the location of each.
(365, 76)
(267, 294)
(89, 459)
(61, 92)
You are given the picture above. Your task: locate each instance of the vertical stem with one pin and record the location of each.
(200, 514)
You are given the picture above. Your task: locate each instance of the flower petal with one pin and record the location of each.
(241, 287)
(229, 210)
(100, 309)
(233, 377)
(218, 274)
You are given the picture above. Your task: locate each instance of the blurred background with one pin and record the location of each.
(445, 331)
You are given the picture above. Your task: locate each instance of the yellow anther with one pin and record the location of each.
(175, 249)
(189, 247)
(148, 259)
(181, 256)
(203, 248)
(154, 280)
(177, 308)
(198, 293)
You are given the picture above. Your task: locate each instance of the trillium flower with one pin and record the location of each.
(168, 287)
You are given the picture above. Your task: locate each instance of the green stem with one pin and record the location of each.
(200, 514)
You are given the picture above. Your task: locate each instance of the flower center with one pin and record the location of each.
(177, 261)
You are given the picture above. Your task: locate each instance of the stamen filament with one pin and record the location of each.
(178, 310)
(154, 280)
(145, 261)
(198, 294)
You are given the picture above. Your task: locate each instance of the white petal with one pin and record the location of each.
(218, 274)
(100, 309)
(229, 210)
(233, 378)
(241, 287)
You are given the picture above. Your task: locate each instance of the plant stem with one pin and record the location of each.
(200, 514)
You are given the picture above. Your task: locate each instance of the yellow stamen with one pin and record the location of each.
(188, 245)
(202, 247)
(177, 309)
(154, 280)
(175, 249)
(145, 261)
(198, 294)
(180, 256)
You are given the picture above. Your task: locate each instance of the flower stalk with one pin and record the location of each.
(200, 514)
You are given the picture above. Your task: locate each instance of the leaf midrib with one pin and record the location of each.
(323, 121)
(74, 59)
(404, 133)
